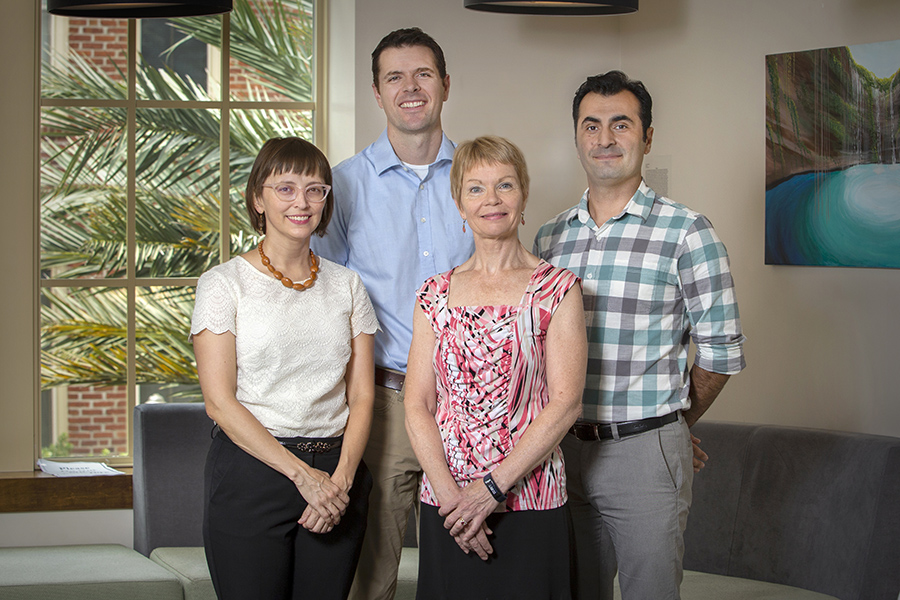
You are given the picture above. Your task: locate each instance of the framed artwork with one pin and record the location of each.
(833, 157)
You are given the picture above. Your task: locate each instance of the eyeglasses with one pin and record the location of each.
(287, 192)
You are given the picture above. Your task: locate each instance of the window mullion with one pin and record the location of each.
(131, 237)
(320, 78)
(225, 143)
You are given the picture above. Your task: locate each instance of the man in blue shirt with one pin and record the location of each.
(655, 276)
(396, 225)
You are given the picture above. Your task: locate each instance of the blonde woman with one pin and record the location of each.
(496, 372)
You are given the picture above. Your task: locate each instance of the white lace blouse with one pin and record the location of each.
(292, 346)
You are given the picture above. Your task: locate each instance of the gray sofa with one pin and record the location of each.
(776, 506)
(170, 446)
(819, 510)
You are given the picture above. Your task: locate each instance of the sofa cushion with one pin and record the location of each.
(189, 565)
(706, 586)
(407, 574)
(94, 572)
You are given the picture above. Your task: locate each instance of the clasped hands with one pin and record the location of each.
(327, 499)
(465, 511)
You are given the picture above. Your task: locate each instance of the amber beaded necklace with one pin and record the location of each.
(287, 281)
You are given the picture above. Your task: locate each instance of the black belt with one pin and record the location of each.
(591, 432)
(307, 445)
(311, 446)
(389, 379)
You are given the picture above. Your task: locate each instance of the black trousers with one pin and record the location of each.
(254, 546)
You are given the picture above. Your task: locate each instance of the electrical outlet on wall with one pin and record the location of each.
(656, 173)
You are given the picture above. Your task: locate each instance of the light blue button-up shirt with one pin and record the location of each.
(396, 231)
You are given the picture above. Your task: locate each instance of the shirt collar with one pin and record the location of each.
(640, 205)
(384, 158)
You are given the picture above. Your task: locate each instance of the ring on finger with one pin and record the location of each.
(462, 521)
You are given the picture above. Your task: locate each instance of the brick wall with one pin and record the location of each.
(103, 42)
(98, 420)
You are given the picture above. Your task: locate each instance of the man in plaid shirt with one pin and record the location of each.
(655, 276)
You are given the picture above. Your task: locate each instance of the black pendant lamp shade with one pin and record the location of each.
(555, 7)
(137, 9)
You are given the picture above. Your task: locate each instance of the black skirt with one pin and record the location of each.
(530, 559)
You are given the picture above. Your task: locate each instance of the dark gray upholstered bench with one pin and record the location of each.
(778, 513)
(170, 446)
(809, 508)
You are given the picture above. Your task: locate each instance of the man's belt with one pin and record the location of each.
(591, 432)
(389, 379)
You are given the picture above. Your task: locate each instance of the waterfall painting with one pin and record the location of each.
(833, 157)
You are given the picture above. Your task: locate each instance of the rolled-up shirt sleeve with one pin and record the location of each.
(710, 299)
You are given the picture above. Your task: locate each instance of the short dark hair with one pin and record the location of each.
(287, 155)
(610, 84)
(403, 38)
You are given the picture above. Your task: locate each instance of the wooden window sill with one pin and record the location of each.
(38, 492)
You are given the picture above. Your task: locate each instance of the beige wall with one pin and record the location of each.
(822, 347)
(18, 29)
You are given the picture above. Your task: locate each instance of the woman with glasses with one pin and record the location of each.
(496, 373)
(284, 343)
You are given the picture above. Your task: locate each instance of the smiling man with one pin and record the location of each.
(655, 276)
(396, 225)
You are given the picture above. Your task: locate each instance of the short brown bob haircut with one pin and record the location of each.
(287, 155)
(486, 150)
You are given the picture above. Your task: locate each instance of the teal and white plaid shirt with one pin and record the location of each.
(654, 278)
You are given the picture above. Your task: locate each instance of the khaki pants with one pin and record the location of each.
(396, 474)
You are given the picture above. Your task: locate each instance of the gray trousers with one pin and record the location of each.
(629, 499)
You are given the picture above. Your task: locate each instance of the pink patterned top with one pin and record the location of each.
(492, 383)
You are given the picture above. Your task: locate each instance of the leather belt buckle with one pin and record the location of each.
(389, 379)
(586, 432)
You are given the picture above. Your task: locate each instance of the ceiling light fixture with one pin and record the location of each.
(137, 9)
(555, 7)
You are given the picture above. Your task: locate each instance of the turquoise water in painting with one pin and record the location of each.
(847, 218)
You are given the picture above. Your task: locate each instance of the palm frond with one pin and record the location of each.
(274, 43)
(95, 319)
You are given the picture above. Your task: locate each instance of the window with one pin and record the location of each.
(164, 45)
(148, 131)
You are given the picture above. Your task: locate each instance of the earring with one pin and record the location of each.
(523, 217)
(464, 225)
